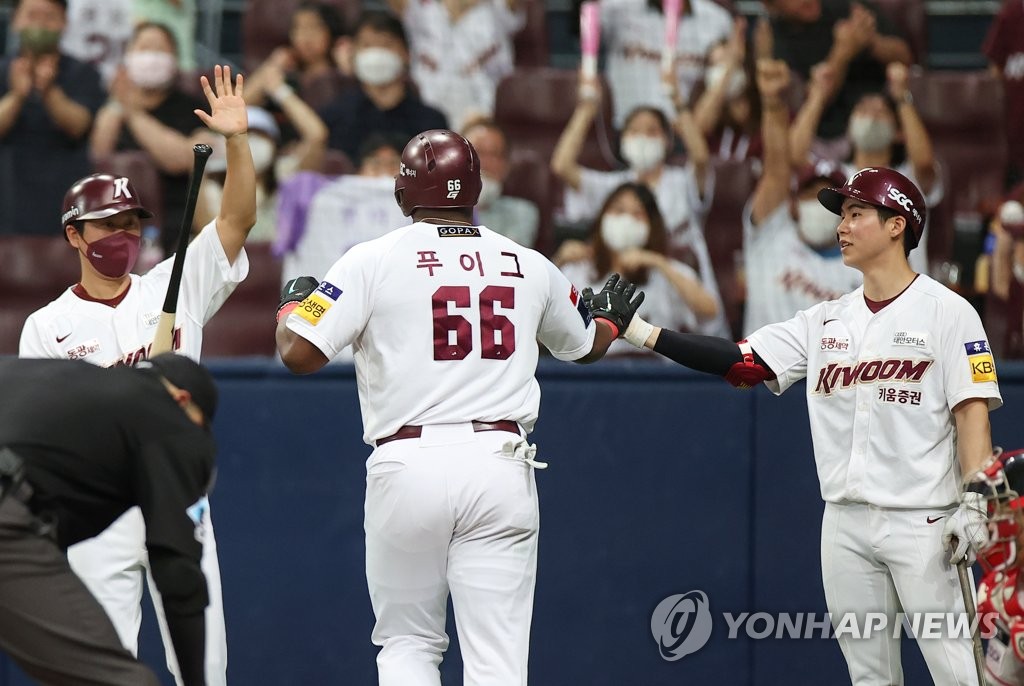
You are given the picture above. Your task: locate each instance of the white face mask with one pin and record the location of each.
(871, 135)
(643, 153)
(378, 66)
(151, 68)
(624, 231)
(490, 190)
(262, 148)
(817, 225)
(737, 82)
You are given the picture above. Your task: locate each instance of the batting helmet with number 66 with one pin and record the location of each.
(440, 169)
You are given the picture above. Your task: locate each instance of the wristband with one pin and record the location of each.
(286, 309)
(638, 331)
(281, 93)
(610, 324)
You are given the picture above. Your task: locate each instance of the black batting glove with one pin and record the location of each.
(617, 302)
(295, 291)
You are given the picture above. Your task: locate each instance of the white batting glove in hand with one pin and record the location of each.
(638, 331)
(968, 527)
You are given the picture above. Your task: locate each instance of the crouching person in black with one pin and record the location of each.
(79, 445)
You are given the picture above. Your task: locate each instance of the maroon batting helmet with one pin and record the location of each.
(99, 196)
(881, 187)
(440, 169)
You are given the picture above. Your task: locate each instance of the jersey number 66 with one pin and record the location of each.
(453, 334)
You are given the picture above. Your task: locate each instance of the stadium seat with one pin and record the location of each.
(534, 105)
(1004, 322)
(911, 18)
(530, 177)
(265, 25)
(33, 271)
(336, 163)
(723, 231)
(137, 166)
(965, 116)
(531, 43)
(245, 324)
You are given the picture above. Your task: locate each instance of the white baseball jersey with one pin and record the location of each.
(881, 388)
(785, 275)
(457, 66)
(635, 35)
(662, 302)
(347, 211)
(75, 328)
(444, 323)
(682, 208)
(918, 257)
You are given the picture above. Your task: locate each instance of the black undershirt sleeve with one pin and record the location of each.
(708, 354)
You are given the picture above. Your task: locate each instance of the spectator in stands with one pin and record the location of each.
(1004, 47)
(885, 130)
(852, 37)
(516, 218)
(628, 236)
(180, 17)
(306, 64)
(683, 192)
(47, 104)
(460, 51)
(383, 102)
(147, 110)
(98, 32)
(728, 110)
(634, 33)
(791, 256)
(1008, 254)
(274, 164)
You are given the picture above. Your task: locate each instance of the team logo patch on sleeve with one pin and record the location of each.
(581, 306)
(329, 289)
(979, 356)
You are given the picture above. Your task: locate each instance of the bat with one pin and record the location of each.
(967, 591)
(672, 9)
(162, 341)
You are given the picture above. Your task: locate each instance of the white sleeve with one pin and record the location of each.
(968, 368)
(32, 343)
(334, 315)
(566, 328)
(768, 228)
(584, 204)
(783, 347)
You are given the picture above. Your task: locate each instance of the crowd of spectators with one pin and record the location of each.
(783, 103)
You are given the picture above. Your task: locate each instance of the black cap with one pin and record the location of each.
(188, 375)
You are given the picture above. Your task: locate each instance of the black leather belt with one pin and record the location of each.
(410, 431)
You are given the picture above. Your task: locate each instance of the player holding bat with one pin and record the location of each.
(110, 317)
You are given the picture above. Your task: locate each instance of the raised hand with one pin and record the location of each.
(772, 79)
(617, 302)
(898, 77)
(227, 106)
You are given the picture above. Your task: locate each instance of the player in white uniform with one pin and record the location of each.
(109, 318)
(900, 382)
(444, 318)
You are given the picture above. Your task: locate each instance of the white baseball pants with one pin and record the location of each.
(112, 566)
(884, 560)
(448, 513)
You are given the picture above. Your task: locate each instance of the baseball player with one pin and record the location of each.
(139, 444)
(1000, 594)
(444, 318)
(900, 381)
(109, 317)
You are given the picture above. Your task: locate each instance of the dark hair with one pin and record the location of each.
(382, 22)
(376, 141)
(897, 150)
(483, 122)
(657, 238)
(143, 26)
(885, 214)
(328, 15)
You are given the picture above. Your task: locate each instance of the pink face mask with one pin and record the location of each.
(115, 255)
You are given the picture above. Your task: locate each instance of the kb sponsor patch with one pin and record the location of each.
(458, 232)
(983, 367)
(313, 308)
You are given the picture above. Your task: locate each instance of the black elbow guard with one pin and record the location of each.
(180, 581)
